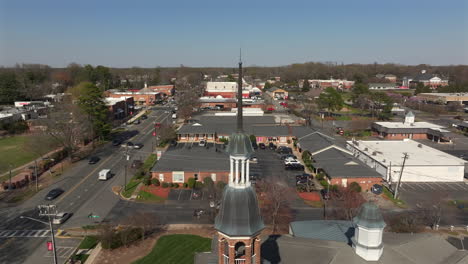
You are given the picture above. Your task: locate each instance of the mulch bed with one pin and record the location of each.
(309, 196)
(157, 190)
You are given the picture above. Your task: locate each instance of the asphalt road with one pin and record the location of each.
(84, 194)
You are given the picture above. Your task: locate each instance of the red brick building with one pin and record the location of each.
(181, 163)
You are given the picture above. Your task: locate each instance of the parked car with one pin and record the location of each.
(285, 156)
(303, 178)
(93, 160)
(202, 143)
(54, 193)
(173, 143)
(294, 166)
(325, 194)
(254, 145)
(262, 146)
(137, 122)
(377, 189)
(129, 144)
(157, 125)
(60, 218)
(253, 159)
(291, 160)
(143, 117)
(138, 146)
(271, 146)
(116, 142)
(284, 150)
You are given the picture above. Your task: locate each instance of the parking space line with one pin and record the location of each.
(180, 192)
(462, 187)
(441, 186)
(410, 186)
(431, 186)
(452, 187)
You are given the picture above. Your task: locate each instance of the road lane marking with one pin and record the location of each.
(84, 179)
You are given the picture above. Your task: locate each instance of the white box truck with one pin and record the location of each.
(104, 174)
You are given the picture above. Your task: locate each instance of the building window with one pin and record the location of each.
(213, 176)
(161, 177)
(195, 176)
(178, 176)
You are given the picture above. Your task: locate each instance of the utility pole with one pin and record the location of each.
(35, 174)
(126, 162)
(401, 173)
(9, 186)
(49, 210)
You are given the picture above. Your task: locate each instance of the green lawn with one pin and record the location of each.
(176, 249)
(389, 195)
(12, 151)
(149, 197)
(136, 179)
(88, 242)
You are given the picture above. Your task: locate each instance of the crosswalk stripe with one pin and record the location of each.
(24, 233)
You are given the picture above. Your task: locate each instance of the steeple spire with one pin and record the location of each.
(239, 96)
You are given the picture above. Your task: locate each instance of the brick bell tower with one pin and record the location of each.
(239, 222)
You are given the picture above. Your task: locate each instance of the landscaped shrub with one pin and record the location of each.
(175, 185)
(147, 181)
(155, 182)
(199, 185)
(171, 184)
(165, 185)
(354, 186)
(121, 238)
(306, 155)
(191, 182)
(253, 139)
(320, 176)
(208, 182)
(185, 185)
(324, 183)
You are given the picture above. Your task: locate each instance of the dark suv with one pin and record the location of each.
(272, 146)
(294, 166)
(262, 146)
(93, 160)
(54, 193)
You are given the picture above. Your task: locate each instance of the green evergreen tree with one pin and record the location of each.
(331, 99)
(91, 102)
(306, 86)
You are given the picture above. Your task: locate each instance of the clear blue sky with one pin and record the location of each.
(209, 33)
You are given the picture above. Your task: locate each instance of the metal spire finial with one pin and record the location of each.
(239, 96)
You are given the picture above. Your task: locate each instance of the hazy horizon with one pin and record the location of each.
(149, 34)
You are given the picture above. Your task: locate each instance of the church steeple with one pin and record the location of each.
(239, 222)
(240, 128)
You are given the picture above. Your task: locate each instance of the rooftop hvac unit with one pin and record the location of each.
(420, 145)
(374, 153)
(366, 149)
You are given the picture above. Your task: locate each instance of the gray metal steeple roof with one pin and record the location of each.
(239, 145)
(369, 216)
(239, 214)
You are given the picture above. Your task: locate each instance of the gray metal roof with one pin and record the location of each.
(239, 145)
(239, 214)
(369, 216)
(398, 248)
(334, 230)
(339, 164)
(315, 141)
(194, 158)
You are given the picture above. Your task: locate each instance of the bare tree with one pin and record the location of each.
(67, 126)
(147, 222)
(187, 98)
(432, 209)
(345, 203)
(276, 196)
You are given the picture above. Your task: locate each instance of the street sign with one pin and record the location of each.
(154, 134)
(50, 247)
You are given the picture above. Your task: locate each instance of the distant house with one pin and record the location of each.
(426, 79)
(382, 86)
(277, 93)
(121, 107)
(390, 77)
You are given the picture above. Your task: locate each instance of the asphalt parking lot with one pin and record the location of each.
(186, 195)
(415, 193)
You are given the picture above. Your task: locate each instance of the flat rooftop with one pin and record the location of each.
(445, 94)
(408, 125)
(386, 151)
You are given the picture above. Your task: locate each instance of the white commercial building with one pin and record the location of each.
(228, 87)
(423, 163)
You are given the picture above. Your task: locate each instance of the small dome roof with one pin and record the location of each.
(239, 145)
(369, 216)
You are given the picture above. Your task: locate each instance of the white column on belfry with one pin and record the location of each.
(236, 173)
(247, 172)
(243, 172)
(231, 175)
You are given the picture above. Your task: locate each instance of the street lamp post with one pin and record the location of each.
(9, 186)
(48, 210)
